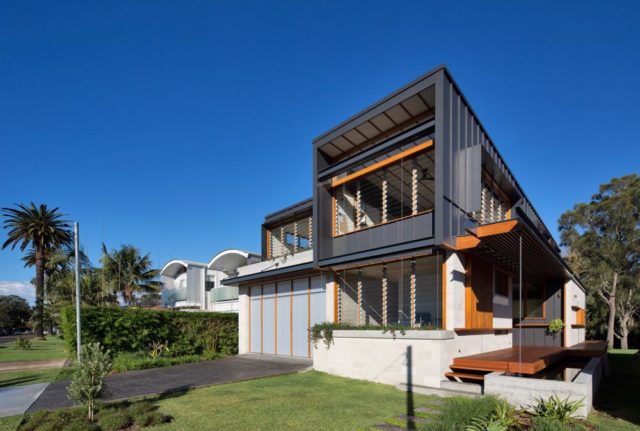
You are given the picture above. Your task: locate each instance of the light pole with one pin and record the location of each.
(76, 235)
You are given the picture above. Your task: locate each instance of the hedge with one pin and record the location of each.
(132, 329)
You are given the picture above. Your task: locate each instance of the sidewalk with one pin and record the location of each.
(16, 400)
(31, 365)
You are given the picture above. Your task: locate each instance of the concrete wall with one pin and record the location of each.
(455, 291)
(243, 320)
(523, 392)
(378, 357)
(574, 297)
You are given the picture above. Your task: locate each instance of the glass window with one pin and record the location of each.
(534, 305)
(290, 238)
(361, 293)
(501, 283)
(390, 193)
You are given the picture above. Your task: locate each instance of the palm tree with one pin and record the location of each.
(42, 229)
(127, 273)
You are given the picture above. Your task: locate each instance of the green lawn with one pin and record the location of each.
(10, 423)
(51, 348)
(28, 377)
(616, 406)
(306, 401)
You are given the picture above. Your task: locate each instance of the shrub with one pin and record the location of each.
(115, 421)
(131, 329)
(503, 418)
(111, 417)
(88, 381)
(556, 408)
(458, 413)
(555, 326)
(22, 343)
(141, 361)
(551, 424)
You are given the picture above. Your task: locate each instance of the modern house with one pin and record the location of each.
(415, 220)
(189, 285)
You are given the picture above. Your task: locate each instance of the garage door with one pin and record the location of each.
(281, 314)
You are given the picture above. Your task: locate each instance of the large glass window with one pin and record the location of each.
(382, 294)
(290, 238)
(401, 189)
(532, 300)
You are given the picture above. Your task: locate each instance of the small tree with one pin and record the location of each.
(88, 382)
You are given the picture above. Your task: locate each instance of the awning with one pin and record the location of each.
(499, 244)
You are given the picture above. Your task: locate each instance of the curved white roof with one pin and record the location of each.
(172, 267)
(228, 261)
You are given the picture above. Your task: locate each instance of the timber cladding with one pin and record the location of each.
(478, 285)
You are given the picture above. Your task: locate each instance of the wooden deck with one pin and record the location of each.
(528, 360)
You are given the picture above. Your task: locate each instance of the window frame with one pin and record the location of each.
(389, 161)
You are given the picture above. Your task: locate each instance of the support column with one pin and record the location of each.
(384, 197)
(385, 293)
(414, 189)
(360, 308)
(358, 206)
(412, 295)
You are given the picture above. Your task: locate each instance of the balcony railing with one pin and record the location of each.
(170, 297)
(224, 293)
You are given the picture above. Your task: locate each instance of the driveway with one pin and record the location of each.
(178, 378)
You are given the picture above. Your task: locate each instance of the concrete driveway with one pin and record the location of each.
(178, 378)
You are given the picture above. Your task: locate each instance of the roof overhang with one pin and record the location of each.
(174, 267)
(286, 272)
(228, 261)
(507, 243)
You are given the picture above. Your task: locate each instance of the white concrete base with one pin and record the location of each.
(524, 392)
(379, 357)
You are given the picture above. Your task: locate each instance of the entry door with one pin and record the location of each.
(478, 294)
(281, 314)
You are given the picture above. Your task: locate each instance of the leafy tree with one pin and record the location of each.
(14, 312)
(42, 229)
(603, 240)
(88, 381)
(128, 273)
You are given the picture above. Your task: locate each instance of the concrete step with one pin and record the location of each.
(469, 376)
(441, 392)
(469, 388)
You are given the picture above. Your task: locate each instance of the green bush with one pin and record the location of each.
(115, 421)
(458, 413)
(132, 329)
(88, 381)
(22, 343)
(126, 361)
(556, 408)
(110, 417)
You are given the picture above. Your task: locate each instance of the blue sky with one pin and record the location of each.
(175, 126)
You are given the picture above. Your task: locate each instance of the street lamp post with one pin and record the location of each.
(76, 232)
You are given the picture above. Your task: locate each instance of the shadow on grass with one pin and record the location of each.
(618, 392)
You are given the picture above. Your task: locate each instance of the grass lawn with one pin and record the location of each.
(51, 348)
(10, 423)
(305, 401)
(28, 377)
(616, 405)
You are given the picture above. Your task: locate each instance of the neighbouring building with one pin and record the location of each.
(189, 285)
(416, 220)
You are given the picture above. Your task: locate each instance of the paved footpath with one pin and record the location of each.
(178, 378)
(31, 365)
(15, 400)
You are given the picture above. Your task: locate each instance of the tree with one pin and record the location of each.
(14, 312)
(128, 273)
(42, 229)
(88, 381)
(603, 239)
